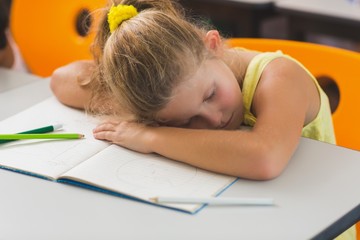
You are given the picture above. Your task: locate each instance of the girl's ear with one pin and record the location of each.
(213, 42)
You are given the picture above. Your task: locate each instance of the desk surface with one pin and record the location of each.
(341, 9)
(7, 79)
(19, 91)
(314, 196)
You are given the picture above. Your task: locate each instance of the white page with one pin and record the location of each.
(49, 158)
(148, 175)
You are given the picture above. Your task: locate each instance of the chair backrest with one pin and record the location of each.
(53, 33)
(340, 65)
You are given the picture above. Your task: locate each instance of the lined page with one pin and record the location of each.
(144, 176)
(46, 157)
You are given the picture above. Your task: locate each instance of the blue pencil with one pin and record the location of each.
(46, 129)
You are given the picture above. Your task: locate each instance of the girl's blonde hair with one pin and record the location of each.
(141, 62)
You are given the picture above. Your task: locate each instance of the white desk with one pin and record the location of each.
(7, 79)
(340, 18)
(19, 91)
(314, 197)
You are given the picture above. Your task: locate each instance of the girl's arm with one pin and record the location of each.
(285, 100)
(68, 83)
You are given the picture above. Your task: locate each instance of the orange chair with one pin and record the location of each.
(339, 65)
(53, 33)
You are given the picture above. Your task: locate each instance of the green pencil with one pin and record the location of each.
(41, 136)
(46, 129)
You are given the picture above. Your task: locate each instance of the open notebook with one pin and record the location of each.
(99, 165)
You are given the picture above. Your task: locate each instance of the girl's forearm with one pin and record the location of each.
(237, 153)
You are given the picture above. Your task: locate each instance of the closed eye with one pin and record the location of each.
(211, 96)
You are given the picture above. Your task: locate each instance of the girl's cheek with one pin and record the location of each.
(228, 97)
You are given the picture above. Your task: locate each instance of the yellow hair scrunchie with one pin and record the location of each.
(118, 14)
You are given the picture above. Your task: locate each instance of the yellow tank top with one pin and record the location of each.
(321, 128)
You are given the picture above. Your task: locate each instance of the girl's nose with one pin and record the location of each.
(212, 117)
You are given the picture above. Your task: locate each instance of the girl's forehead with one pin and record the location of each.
(184, 103)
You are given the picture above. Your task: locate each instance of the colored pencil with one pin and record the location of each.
(46, 129)
(215, 201)
(41, 136)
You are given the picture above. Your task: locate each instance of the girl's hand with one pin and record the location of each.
(126, 134)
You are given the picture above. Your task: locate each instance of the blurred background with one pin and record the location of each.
(47, 34)
(329, 22)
